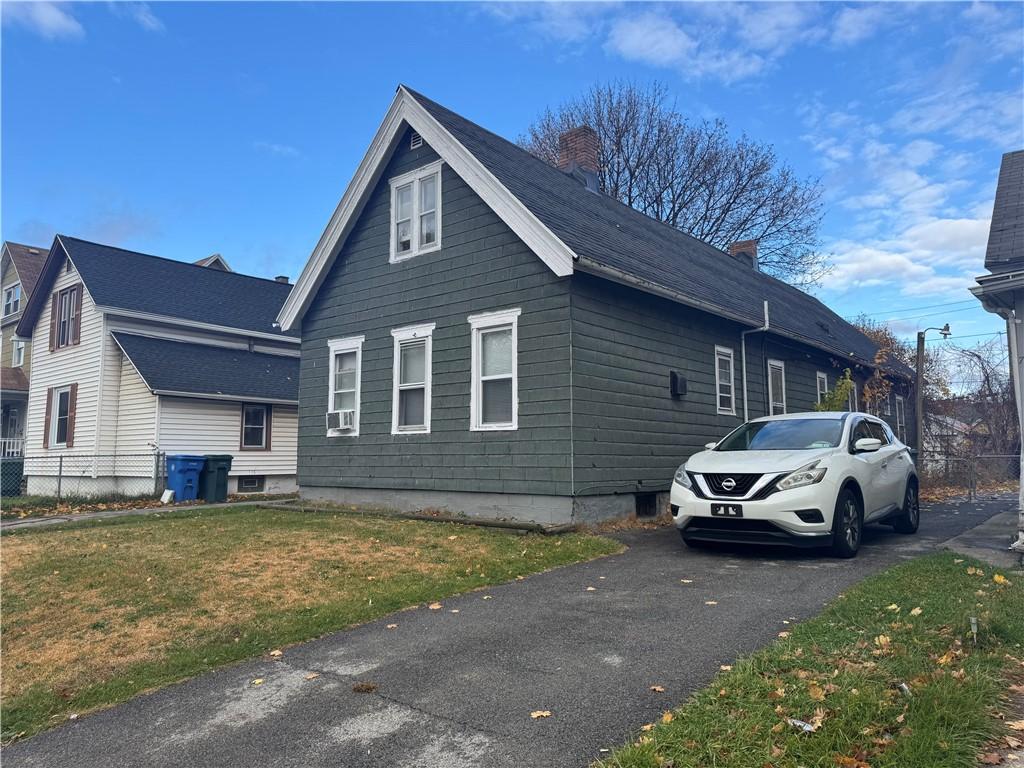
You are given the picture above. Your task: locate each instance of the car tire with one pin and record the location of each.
(910, 517)
(847, 524)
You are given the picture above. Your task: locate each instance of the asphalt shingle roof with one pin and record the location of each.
(201, 369)
(129, 280)
(1006, 236)
(28, 260)
(603, 230)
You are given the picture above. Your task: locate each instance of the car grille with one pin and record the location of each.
(743, 484)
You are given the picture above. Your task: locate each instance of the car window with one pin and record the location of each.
(784, 435)
(878, 431)
(888, 433)
(860, 429)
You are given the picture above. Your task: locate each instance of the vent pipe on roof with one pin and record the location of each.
(579, 152)
(281, 279)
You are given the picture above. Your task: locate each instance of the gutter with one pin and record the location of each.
(743, 356)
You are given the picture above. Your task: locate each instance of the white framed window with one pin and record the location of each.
(901, 420)
(416, 212)
(346, 358)
(255, 428)
(410, 396)
(724, 381)
(251, 484)
(60, 417)
(887, 404)
(12, 299)
(67, 316)
(822, 384)
(853, 400)
(776, 387)
(17, 353)
(494, 393)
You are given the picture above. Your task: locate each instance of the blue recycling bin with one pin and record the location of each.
(183, 476)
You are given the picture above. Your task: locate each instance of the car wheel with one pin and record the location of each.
(910, 517)
(847, 524)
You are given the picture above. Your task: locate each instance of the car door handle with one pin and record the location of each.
(885, 464)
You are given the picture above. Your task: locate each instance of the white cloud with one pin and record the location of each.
(52, 21)
(965, 112)
(854, 24)
(273, 148)
(651, 38)
(142, 14)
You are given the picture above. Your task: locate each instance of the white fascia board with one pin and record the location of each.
(169, 320)
(405, 109)
(230, 397)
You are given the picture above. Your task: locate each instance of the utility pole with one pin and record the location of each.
(919, 387)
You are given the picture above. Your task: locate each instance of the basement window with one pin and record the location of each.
(252, 484)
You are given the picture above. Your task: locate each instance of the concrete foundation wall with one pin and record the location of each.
(46, 485)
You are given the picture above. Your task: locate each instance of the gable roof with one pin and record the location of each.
(214, 261)
(200, 370)
(600, 234)
(28, 260)
(1006, 236)
(129, 281)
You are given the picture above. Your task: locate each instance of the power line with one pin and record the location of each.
(969, 336)
(914, 309)
(932, 314)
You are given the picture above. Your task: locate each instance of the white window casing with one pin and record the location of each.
(493, 403)
(887, 404)
(822, 383)
(346, 373)
(408, 384)
(60, 417)
(255, 425)
(12, 299)
(725, 382)
(776, 387)
(17, 353)
(416, 212)
(901, 420)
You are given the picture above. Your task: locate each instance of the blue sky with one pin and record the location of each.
(184, 129)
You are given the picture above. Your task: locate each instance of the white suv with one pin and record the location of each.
(802, 479)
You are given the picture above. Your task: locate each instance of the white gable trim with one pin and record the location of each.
(405, 109)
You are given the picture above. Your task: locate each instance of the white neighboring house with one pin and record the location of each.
(134, 355)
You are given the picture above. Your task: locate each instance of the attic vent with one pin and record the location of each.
(415, 141)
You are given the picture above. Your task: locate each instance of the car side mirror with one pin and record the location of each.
(867, 445)
(710, 446)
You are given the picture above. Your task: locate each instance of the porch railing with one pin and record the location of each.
(12, 447)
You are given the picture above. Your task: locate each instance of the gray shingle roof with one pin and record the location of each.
(201, 369)
(128, 280)
(28, 260)
(1006, 236)
(608, 233)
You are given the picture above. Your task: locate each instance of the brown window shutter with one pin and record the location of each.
(76, 330)
(54, 304)
(270, 412)
(46, 425)
(72, 403)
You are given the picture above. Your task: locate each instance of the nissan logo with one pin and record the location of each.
(728, 484)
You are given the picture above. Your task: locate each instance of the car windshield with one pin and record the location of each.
(784, 435)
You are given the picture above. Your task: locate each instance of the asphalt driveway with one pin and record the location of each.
(455, 687)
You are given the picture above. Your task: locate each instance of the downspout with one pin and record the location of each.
(743, 355)
(1016, 366)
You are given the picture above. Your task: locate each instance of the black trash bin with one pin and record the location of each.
(213, 483)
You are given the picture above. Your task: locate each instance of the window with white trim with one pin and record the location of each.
(410, 397)
(887, 404)
(494, 394)
(724, 380)
(776, 387)
(853, 400)
(255, 420)
(346, 358)
(59, 419)
(901, 420)
(67, 309)
(12, 299)
(17, 353)
(822, 384)
(416, 212)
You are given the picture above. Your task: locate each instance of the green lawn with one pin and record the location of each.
(96, 612)
(840, 673)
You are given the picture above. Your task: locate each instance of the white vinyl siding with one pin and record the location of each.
(416, 212)
(776, 387)
(725, 389)
(135, 416)
(411, 379)
(494, 393)
(822, 384)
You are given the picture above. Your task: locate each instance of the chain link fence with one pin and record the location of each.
(973, 476)
(85, 475)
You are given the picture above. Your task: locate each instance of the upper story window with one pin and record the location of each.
(17, 353)
(346, 361)
(410, 398)
(724, 381)
(416, 212)
(776, 387)
(66, 317)
(255, 428)
(12, 299)
(822, 384)
(494, 393)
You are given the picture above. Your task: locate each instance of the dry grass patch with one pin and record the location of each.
(97, 612)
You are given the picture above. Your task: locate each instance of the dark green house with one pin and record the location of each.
(487, 334)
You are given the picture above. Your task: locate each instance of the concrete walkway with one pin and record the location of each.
(103, 514)
(456, 689)
(990, 541)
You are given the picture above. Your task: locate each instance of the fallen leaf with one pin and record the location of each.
(815, 692)
(892, 607)
(1013, 742)
(915, 612)
(686, 581)
(435, 606)
(901, 717)
(258, 681)
(1016, 725)
(658, 688)
(455, 610)
(647, 727)
(958, 561)
(726, 667)
(784, 633)
(591, 589)
(710, 602)
(668, 717)
(364, 687)
(276, 652)
(990, 758)
(452, 538)
(539, 713)
(1000, 579)
(392, 626)
(945, 658)
(882, 641)
(312, 676)
(487, 597)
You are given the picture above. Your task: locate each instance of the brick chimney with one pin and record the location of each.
(578, 151)
(281, 279)
(745, 252)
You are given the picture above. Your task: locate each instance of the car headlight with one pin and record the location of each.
(682, 478)
(806, 475)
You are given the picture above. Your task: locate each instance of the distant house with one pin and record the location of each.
(485, 333)
(20, 266)
(133, 355)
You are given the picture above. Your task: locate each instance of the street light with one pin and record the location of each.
(919, 384)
